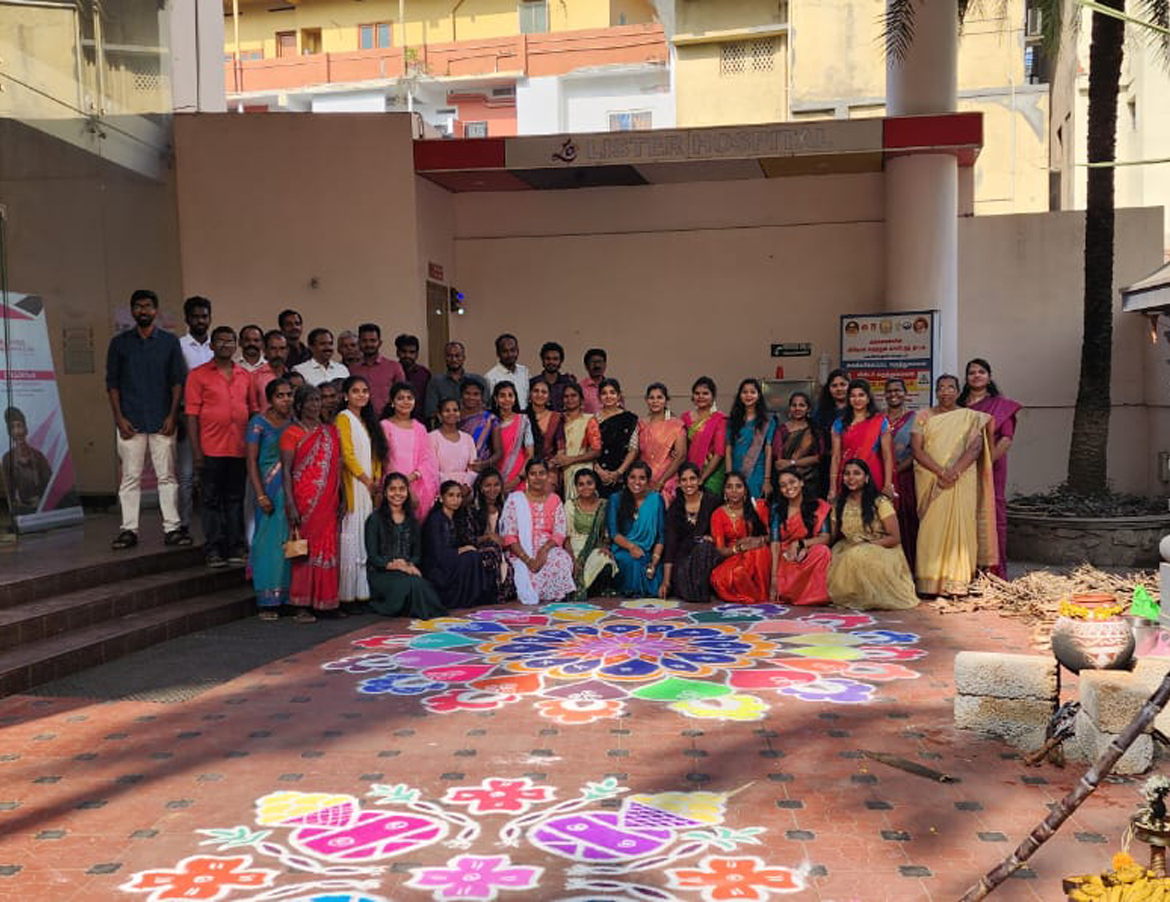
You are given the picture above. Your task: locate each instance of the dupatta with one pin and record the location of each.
(517, 505)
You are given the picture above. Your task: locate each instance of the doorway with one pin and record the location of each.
(438, 326)
(286, 43)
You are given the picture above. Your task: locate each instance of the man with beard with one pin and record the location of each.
(196, 351)
(380, 372)
(251, 356)
(290, 324)
(144, 379)
(406, 348)
(274, 367)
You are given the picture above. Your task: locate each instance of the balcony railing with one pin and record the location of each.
(554, 53)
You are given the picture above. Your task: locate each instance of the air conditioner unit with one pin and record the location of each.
(504, 92)
(1034, 24)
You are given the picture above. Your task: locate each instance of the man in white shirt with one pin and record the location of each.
(251, 356)
(196, 347)
(320, 367)
(508, 370)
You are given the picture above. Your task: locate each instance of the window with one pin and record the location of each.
(630, 122)
(374, 37)
(745, 57)
(533, 16)
(310, 41)
(475, 130)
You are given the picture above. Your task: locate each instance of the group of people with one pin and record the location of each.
(545, 487)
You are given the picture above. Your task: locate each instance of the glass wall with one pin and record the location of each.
(87, 193)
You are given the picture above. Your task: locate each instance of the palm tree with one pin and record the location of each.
(1087, 458)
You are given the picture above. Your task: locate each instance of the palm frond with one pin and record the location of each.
(1157, 12)
(898, 27)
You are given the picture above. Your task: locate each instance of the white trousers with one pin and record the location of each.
(132, 454)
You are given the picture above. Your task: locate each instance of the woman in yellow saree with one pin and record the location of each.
(956, 495)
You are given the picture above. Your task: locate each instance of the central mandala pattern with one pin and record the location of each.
(631, 651)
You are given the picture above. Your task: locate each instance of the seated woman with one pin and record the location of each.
(636, 529)
(690, 555)
(533, 530)
(800, 543)
(480, 526)
(868, 570)
(393, 552)
(593, 565)
(463, 576)
(740, 531)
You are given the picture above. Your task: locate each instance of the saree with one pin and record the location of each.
(747, 453)
(656, 440)
(581, 436)
(746, 576)
(956, 525)
(645, 531)
(270, 571)
(689, 549)
(906, 504)
(546, 441)
(707, 437)
(865, 576)
(793, 444)
(316, 470)
(802, 582)
(1003, 411)
(358, 459)
(593, 565)
(619, 433)
(516, 439)
(480, 427)
(863, 439)
(531, 524)
(410, 452)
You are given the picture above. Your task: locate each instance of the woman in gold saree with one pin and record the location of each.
(956, 495)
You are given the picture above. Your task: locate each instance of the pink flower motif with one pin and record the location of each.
(467, 700)
(205, 877)
(383, 641)
(475, 878)
(494, 794)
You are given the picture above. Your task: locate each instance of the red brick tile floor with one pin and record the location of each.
(290, 782)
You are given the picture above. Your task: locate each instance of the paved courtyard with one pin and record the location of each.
(614, 751)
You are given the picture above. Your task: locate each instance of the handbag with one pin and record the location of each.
(295, 546)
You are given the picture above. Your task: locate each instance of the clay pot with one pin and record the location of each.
(1093, 644)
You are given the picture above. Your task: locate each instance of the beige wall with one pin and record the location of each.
(270, 203)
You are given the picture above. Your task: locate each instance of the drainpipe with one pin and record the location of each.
(454, 10)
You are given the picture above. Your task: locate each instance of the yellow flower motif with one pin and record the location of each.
(438, 624)
(648, 604)
(723, 707)
(279, 807)
(698, 806)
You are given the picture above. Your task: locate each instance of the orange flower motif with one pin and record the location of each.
(745, 878)
(205, 877)
(580, 710)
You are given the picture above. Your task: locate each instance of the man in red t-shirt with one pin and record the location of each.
(217, 408)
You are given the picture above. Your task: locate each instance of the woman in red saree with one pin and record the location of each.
(548, 430)
(515, 432)
(739, 529)
(982, 394)
(662, 442)
(311, 455)
(863, 433)
(800, 543)
(706, 435)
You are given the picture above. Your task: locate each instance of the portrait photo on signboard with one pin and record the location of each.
(26, 472)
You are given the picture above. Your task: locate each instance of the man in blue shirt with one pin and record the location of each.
(144, 378)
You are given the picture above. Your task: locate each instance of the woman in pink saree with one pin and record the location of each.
(662, 442)
(410, 450)
(982, 394)
(515, 430)
(706, 435)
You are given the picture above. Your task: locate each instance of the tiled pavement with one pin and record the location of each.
(106, 801)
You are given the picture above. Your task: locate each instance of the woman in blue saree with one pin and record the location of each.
(750, 430)
(636, 521)
(270, 569)
(480, 424)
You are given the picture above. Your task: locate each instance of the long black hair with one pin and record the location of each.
(688, 466)
(627, 507)
(739, 411)
(756, 526)
(708, 383)
(499, 387)
(379, 447)
(825, 401)
(869, 494)
(612, 383)
(849, 413)
(534, 424)
(992, 389)
(809, 503)
(479, 507)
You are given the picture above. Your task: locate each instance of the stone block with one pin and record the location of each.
(1112, 698)
(1089, 744)
(1021, 722)
(1150, 672)
(1005, 675)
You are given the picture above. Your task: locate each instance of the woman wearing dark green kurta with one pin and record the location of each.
(393, 553)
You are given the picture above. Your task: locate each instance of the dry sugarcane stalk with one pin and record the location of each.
(1065, 808)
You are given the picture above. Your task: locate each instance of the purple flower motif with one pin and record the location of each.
(477, 878)
(886, 637)
(399, 684)
(767, 611)
(838, 691)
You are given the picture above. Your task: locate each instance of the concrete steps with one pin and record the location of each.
(54, 625)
